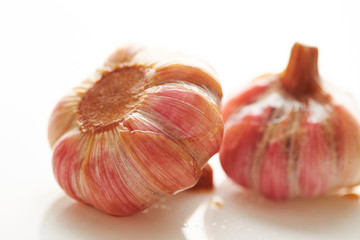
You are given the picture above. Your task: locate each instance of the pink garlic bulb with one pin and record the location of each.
(286, 137)
(142, 128)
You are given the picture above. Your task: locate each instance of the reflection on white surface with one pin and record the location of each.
(67, 219)
(194, 226)
(252, 217)
(193, 215)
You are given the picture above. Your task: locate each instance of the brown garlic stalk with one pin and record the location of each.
(286, 137)
(142, 128)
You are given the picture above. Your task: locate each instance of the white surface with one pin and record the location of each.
(47, 47)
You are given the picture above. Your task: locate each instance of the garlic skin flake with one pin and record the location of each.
(141, 128)
(286, 137)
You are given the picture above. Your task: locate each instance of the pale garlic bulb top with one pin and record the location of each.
(141, 128)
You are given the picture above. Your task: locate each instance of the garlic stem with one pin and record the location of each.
(301, 77)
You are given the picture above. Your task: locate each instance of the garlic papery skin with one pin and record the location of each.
(141, 128)
(286, 137)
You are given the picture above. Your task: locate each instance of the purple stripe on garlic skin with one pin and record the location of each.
(122, 150)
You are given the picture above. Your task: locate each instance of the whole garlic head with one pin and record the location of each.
(143, 127)
(286, 137)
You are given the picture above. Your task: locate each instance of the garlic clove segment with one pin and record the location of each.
(290, 135)
(143, 127)
(173, 110)
(347, 133)
(206, 180)
(63, 118)
(315, 168)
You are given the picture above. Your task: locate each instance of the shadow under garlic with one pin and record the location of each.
(228, 212)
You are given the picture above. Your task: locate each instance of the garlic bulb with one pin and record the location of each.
(286, 137)
(142, 128)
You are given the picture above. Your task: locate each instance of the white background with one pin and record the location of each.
(48, 47)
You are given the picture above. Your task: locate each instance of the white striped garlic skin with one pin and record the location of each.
(141, 129)
(285, 137)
